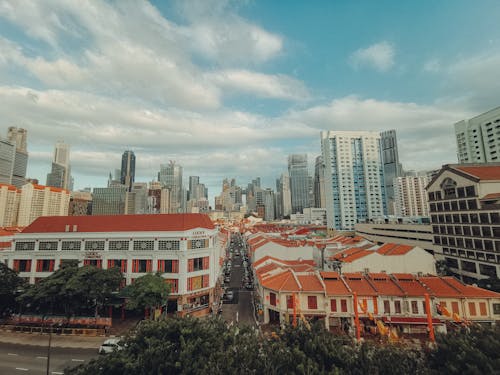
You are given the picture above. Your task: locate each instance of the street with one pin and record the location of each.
(240, 309)
(29, 359)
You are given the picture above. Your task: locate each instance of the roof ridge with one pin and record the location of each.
(395, 281)
(451, 285)
(296, 279)
(371, 283)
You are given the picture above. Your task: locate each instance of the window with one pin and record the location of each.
(94, 245)
(144, 245)
(487, 270)
(454, 307)
(174, 285)
(71, 245)
(472, 308)
(45, 265)
(470, 191)
(482, 308)
(47, 245)
(198, 282)
(120, 263)
(414, 307)
(22, 265)
(198, 244)
(24, 246)
(312, 302)
(333, 305)
(169, 245)
(168, 265)
(141, 265)
(468, 266)
(289, 302)
(343, 305)
(118, 245)
(272, 299)
(198, 264)
(93, 262)
(397, 307)
(387, 307)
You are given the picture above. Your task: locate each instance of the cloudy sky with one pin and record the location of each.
(230, 88)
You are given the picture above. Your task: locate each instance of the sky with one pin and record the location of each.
(228, 89)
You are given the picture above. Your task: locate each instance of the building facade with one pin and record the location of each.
(170, 176)
(9, 205)
(392, 167)
(127, 171)
(354, 181)
(410, 196)
(109, 201)
(39, 200)
(60, 175)
(184, 248)
(464, 202)
(18, 136)
(299, 182)
(478, 138)
(319, 183)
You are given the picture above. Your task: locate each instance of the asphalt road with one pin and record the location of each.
(240, 309)
(28, 359)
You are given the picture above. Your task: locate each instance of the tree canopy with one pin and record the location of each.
(209, 346)
(147, 292)
(72, 289)
(10, 283)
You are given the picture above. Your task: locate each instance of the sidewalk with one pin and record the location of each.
(59, 341)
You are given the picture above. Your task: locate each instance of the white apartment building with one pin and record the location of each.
(185, 248)
(9, 205)
(410, 196)
(39, 200)
(478, 139)
(354, 183)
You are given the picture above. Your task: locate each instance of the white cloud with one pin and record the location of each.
(379, 56)
(276, 86)
(432, 66)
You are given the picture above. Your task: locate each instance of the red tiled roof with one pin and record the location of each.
(483, 172)
(469, 290)
(358, 283)
(120, 223)
(410, 284)
(334, 284)
(284, 281)
(310, 282)
(10, 187)
(439, 287)
(385, 285)
(490, 196)
(352, 254)
(394, 249)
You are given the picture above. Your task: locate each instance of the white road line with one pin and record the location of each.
(77, 360)
(21, 369)
(12, 354)
(39, 357)
(57, 373)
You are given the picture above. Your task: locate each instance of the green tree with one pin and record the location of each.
(10, 283)
(147, 292)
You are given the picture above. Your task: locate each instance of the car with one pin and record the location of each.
(229, 295)
(249, 286)
(227, 279)
(110, 345)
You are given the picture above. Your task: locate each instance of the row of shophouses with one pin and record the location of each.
(186, 249)
(289, 288)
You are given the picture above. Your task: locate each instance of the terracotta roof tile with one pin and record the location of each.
(310, 282)
(410, 284)
(284, 281)
(484, 172)
(469, 290)
(120, 223)
(358, 283)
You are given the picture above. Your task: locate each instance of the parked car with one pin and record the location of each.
(110, 345)
(229, 295)
(249, 286)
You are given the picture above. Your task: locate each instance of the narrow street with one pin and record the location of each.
(240, 308)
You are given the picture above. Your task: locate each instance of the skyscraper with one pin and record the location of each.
(392, 167)
(18, 136)
(319, 183)
(109, 201)
(410, 195)
(127, 172)
(170, 176)
(7, 156)
(477, 138)
(354, 186)
(60, 175)
(299, 182)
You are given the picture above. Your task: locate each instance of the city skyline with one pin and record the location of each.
(224, 98)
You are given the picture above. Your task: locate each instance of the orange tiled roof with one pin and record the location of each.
(469, 290)
(310, 282)
(120, 223)
(10, 187)
(384, 284)
(394, 249)
(334, 285)
(439, 287)
(358, 283)
(350, 255)
(483, 172)
(410, 284)
(284, 281)
(491, 196)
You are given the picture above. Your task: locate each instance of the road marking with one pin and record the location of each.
(57, 373)
(12, 354)
(21, 369)
(42, 357)
(77, 360)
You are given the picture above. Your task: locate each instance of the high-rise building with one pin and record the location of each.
(283, 197)
(136, 201)
(230, 198)
(265, 203)
(464, 201)
(127, 172)
(18, 136)
(39, 200)
(109, 200)
(477, 138)
(80, 203)
(60, 175)
(354, 186)
(319, 183)
(392, 166)
(7, 156)
(170, 176)
(299, 182)
(410, 197)
(9, 205)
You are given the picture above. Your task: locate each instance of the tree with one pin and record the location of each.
(147, 292)
(10, 283)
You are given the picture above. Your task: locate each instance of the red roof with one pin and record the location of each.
(439, 287)
(394, 249)
(334, 284)
(385, 285)
(120, 223)
(10, 187)
(358, 283)
(310, 282)
(469, 290)
(284, 281)
(490, 196)
(483, 172)
(410, 284)
(352, 254)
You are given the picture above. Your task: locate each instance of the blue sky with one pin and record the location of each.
(230, 88)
